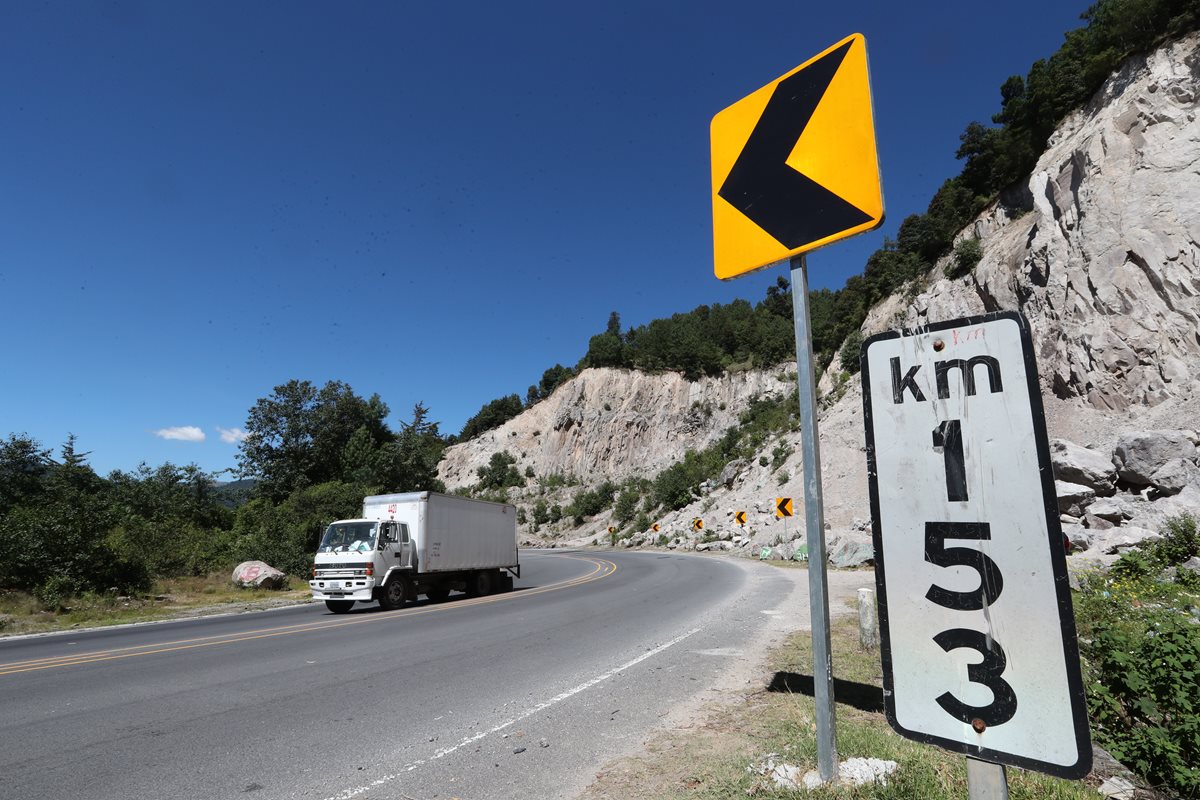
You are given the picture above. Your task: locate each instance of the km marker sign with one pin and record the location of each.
(979, 649)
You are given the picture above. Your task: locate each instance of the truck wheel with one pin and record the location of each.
(339, 606)
(480, 584)
(437, 594)
(393, 595)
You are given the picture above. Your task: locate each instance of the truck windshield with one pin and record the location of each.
(349, 537)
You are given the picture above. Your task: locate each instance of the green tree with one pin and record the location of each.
(492, 415)
(298, 435)
(410, 463)
(24, 465)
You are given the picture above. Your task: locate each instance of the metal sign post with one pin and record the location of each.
(986, 781)
(814, 522)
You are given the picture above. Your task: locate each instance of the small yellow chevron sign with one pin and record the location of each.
(740, 518)
(783, 506)
(697, 524)
(655, 527)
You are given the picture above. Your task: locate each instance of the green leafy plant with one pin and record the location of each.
(1141, 659)
(967, 254)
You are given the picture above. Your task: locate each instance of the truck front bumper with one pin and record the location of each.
(343, 588)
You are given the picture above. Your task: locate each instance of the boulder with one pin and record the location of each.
(1122, 539)
(1175, 476)
(1096, 523)
(1138, 456)
(852, 551)
(1153, 515)
(782, 552)
(1113, 509)
(730, 473)
(1073, 497)
(1192, 564)
(258, 574)
(1079, 465)
(1079, 537)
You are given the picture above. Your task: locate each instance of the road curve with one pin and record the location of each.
(510, 696)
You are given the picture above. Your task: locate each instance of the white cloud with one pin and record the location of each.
(232, 435)
(184, 433)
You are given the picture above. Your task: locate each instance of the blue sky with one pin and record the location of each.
(432, 202)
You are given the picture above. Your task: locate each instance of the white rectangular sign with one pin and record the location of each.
(979, 649)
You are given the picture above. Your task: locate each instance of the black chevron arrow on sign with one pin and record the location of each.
(791, 207)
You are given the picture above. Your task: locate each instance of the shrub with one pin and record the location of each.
(967, 254)
(589, 503)
(626, 505)
(849, 354)
(1141, 660)
(500, 472)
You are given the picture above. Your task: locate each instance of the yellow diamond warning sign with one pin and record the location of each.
(794, 165)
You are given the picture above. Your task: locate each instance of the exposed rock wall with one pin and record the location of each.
(614, 423)
(1106, 264)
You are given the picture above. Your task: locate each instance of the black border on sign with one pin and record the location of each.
(1058, 561)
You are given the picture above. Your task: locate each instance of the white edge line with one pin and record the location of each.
(346, 794)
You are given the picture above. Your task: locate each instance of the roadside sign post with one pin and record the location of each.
(814, 522)
(976, 626)
(794, 168)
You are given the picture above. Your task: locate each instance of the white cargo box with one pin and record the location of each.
(451, 533)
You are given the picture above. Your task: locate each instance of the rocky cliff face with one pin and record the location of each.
(614, 423)
(1102, 255)
(1100, 250)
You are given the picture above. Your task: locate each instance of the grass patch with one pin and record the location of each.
(717, 760)
(21, 612)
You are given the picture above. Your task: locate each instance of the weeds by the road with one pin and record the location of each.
(23, 613)
(718, 760)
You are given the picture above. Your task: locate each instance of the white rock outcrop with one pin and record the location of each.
(613, 423)
(1106, 263)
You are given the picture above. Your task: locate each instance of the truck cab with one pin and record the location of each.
(356, 557)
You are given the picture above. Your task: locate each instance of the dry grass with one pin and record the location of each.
(177, 597)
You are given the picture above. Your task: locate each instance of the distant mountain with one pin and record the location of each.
(232, 494)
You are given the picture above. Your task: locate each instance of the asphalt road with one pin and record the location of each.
(519, 695)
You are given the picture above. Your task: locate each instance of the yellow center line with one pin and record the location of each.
(602, 568)
(297, 626)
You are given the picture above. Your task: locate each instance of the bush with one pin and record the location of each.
(1141, 660)
(967, 254)
(500, 472)
(626, 506)
(849, 354)
(590, 503)
(286, 535)
(53, 593)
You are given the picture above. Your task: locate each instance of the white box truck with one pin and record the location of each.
(406, 545)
